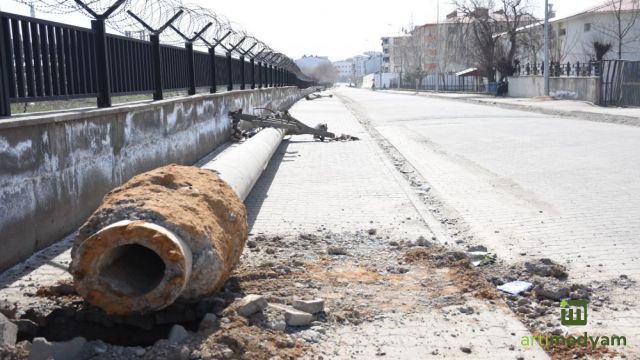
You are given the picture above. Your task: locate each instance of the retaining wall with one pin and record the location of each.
(56, 167)
(575, 88)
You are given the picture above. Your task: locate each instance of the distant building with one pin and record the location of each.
(346, 70)
(353, 69)
(307, 63)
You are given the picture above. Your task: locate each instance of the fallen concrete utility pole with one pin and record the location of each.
(173, 232)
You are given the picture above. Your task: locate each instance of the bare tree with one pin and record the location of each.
(626, 14)
(486, 18)
(417, 53)
(531, 42)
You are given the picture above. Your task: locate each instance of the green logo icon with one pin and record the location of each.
(573, 312)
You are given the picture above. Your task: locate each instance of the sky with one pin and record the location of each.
(338, 29)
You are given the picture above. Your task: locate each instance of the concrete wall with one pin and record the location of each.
(576, 88)
(56, 167)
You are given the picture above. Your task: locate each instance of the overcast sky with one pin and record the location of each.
(335, 28)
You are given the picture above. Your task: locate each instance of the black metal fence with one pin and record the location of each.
(559, 69)
(446, 82)
(42, 60)
(620, 83)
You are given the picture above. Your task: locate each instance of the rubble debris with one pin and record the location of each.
(481, 258)
(551, 292)
(8, 309)
(345, 137)
(209, 322)
(251, 304)
(163, 235)
(317, 96)
(177, 334)
(310, 306)
(547, 268)
(397, 269)
(516, 287)
(8, 331)
(41, 349)
(336, 250)
(295, 317)
(321, 127)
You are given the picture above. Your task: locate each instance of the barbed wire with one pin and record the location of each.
(155, 13)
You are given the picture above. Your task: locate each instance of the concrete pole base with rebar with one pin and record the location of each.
(175, 232)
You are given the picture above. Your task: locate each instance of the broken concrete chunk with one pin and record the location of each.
(310, 306)
(209, 322)
(8, 331)
(41, 349)
(251, 304)
(8, 309)
(295, 317)
(177, 334)
(335, 250)
(547, 268)
(552, 291)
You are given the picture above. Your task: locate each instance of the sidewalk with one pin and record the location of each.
(567, 108)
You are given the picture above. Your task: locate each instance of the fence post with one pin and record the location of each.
(253, 73)
(242, 77)
(157, 69)
(102, 63)
(212, 62)
(5, 104)
(191, 73)
(103, 78)
(156, 54)
(229, 72)
(271, 83)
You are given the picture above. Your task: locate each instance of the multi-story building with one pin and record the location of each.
(346, 70)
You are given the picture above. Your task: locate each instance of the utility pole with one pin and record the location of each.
(547, 67)
(438, 45)
(32, 9)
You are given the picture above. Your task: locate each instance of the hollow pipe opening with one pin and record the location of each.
(132, 269)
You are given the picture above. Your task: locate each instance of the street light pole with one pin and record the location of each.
(437, 45)
(547, 67)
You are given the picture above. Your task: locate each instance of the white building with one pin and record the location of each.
(352, 70)
(346, 70)
(572, 37)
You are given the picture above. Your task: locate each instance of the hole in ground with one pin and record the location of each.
(132, 269)
(82, 319)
